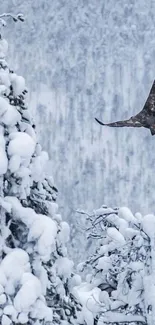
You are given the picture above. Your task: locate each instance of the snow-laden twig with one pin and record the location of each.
(111, 317)
(84, 212)
(14, 17)
(4, 16)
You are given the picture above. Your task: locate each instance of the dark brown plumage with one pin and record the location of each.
(145, 118)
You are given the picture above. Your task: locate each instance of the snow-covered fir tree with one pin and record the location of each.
(36, 276)
(120, 286)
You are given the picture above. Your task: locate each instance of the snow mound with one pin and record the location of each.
(126, 214)
(148, 223)
(28, 293)
(14, 163)
(23, 318)
(43, 231)
(41, 311)
(42, 228)
(20, 259)
(27, 128)
(115, 235)
(8, 113)
(89, 298)
(104, 263)
(6, 320)
(26, 215)
(64, 234)
(18, 84)
(63, 266)
(21, 144)
(3, 90)
(9, 310)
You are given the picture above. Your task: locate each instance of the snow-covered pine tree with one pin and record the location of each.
(35, 273)
(120, 286)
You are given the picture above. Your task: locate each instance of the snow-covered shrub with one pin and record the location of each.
(36, 276)
(120, 286)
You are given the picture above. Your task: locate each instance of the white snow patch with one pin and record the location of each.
(89, 298)
(64, 266)
(14, 163)
(75, 281)
(104, 263)
(11, 116)
(41, 311)
(102, 211)
(9, 310)
(3, 90)
(44, 231)
(126, 214)
(20, 260)
(115, 235)
(104, 298)
(23, 318)
(21, 144)
(148, 223)
(27, 128)
(28, 293)
(27, 215)
(6, 320)
(18, 84)
(2, 299)
(64, 234)
(41, 273)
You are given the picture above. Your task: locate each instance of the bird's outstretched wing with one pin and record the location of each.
(149, 106)
(143, 118)
(128, 123)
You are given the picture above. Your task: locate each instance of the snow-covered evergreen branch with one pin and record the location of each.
(121, 280)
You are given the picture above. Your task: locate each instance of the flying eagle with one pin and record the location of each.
(145, 118)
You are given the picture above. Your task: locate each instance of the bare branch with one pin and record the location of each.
(14, 17)
(83, 212)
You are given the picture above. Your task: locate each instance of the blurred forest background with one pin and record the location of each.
(83, 59)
